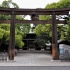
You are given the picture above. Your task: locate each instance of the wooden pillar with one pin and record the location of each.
(33, 16)
(55, 53)
(12, 37)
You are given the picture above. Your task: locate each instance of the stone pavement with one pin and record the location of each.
(34, 68)
(33, 59)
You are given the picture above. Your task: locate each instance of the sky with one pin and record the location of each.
(32, 3)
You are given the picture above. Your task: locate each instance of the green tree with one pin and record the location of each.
(8, 4)
(52, 5)
(23, 27)
(60, 4)
(68, 30)
(5, 36)
(63, 4)
(5, 28)
(43, 33)
(61, 29)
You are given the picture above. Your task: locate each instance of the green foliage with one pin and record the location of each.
(40, 41)
(62, 31)
(5, 26)
(68, 30)
(1, 35)
(5, 35)
(52, 5)
(60, 4)
(2, 30)
(43, 33)
(20, 33)
(5, 17)
(19, 17)
(44, 17)
(26, 28)
(23, 27)
(38, 29)
(43, 29)
(62, 36)
(48, 6)
(63, 4)
(8, 3)
(18, 41)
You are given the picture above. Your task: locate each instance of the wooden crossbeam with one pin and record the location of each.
(58, 11)
(35, 22)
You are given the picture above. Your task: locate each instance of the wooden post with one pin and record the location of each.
(55, 52)
(12, 37)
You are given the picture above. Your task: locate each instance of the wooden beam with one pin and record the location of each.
(35, 22)
(40, 13)
(40, 9)
(5, 21)
(58, 11)
(37, 13)
(5, 12)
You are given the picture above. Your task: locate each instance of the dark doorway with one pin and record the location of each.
(29, 41)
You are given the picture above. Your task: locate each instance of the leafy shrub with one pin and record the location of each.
(5, 36)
